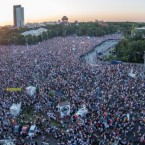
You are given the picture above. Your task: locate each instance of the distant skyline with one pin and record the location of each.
(81, 10)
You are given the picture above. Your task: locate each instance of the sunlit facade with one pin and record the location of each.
(18, 12)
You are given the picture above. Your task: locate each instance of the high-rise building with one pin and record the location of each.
(18, 12)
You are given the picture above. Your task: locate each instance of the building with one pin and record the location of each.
(18, 12)
(138, 31)
(64, 20)
(35, 32)
(102, 23)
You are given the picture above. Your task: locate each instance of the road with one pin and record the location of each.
(103, 48)
(52, 141)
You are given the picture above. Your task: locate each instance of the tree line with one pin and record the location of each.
(93, 29)
(130, 49)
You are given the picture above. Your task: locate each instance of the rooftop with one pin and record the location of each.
(64, 18)
(34, 32)
(141, 28)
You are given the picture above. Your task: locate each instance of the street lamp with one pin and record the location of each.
(32, 39)
(14, 40)
(26, 41)
(46, 34)
(56, 32)
(64, 33)
(128, 57)
(38, 67)
(42, 36)
(78, 33)
(93, 32)
(9, 41)
(144, 60)
(36, 71)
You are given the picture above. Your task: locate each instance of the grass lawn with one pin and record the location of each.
(30, 115)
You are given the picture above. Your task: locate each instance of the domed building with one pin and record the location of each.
(64, 20)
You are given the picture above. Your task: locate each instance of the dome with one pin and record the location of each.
(64, 18)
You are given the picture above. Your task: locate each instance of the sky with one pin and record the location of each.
(81, 10)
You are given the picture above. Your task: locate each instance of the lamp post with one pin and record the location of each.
(0, 37)
(93, 32)
(144, 61)
(26, 41)
(78, 33)
(42, 36)
(128, 57)
(14, 40)
(36, 76)
(36, 71)
(9, 41)
(46, 34)
(32, 39)
(56, 32)
(40, 67)
(64, 33)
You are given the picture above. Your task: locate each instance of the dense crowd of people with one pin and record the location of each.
(115, 101)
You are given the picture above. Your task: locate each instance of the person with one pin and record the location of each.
(115, 113)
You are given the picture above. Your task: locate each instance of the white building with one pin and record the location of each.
(34, 32)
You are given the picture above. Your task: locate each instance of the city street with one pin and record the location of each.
(104, 48)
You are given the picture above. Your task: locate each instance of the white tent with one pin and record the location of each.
(64, 109)
(15, 109)
(81, 112)
(128, 116)
(31, 90)
(131, 74)
(7, 142)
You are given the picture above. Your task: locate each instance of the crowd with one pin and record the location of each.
(115, 102)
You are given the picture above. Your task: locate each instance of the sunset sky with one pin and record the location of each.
(81, 10)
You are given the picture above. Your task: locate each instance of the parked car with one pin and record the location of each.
(116, 62)
(17, 128)
(32, 131)
(25, 130)
(99, 53)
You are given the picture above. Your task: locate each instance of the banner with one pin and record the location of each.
(14, 89)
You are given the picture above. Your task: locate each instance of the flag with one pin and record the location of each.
(14, 89)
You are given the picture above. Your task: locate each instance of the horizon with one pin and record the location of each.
(48, 10)
(39, 22)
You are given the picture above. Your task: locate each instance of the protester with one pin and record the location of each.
(115, 101)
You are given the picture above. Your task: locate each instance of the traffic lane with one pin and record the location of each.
(104, 47)
(49, 139)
